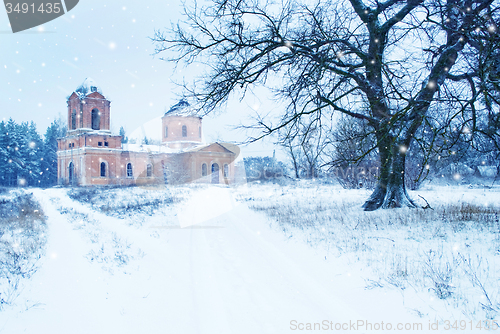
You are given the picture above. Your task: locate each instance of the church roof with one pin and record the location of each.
(87, 87)
(216, 147)
(182, 108)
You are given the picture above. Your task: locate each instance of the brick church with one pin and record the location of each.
(91, 155)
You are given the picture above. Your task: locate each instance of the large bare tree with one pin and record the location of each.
(387, 63)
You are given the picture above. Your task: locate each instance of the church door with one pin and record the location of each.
(215, 173)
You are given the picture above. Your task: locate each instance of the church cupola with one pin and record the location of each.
(181, 126)
(88, 109)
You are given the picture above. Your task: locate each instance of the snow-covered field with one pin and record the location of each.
(257, 258)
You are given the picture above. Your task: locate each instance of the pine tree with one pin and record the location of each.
(14, 147)
(34, 155)
(3, 154)
(49, 155)
(122, 133)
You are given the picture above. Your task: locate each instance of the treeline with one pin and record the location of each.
(27, 158)
(346, 151)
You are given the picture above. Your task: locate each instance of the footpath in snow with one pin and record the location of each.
(214, 267)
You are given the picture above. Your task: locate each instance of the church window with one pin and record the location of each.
(106, 144)
(103, 169)
(204, 170)
(96, 119)
(166, 132)
(71, 172)
(129, 170)
(226, 170)
(184, 131)
(149, 170)
(99, 143)
(199, 131)
(73, 119)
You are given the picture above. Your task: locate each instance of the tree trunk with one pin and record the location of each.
(294, 160)
(390, 191)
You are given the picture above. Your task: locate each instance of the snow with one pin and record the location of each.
(88, 87)
(212, 261)
(182, 108)
(487, 171)
(161, 148)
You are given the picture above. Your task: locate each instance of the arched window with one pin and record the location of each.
(215, 173)
(73, 119)
(166, 132)
(129, 170)
(149, 170)
(184, 131)
(103, 169)
(96, 119)
(204, 170)
(226, 170)
(71, 172)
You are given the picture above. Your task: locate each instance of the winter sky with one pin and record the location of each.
(108, 41)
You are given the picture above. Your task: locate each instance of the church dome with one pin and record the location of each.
(182, 108)
(87, 87)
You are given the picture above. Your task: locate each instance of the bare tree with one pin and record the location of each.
(176, 168)
(352, 159)
(305, 143)
(293, 152)
(384, 62)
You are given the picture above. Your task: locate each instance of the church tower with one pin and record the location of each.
(181, 127)
(88, 110)
(87, 154)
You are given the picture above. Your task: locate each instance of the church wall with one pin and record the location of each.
(83, 109)
(102, 105)
(183, 168)
(199, 158)
(175, 124)
(86, 149)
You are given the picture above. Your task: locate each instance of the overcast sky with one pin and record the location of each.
(109, 42)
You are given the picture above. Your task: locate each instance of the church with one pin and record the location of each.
(90, 154)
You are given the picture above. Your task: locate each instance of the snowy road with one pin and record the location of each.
(229, 274)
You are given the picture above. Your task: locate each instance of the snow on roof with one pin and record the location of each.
(153, 148)
(227, 146)
(182, 108)
(87, 87)
(197, 147)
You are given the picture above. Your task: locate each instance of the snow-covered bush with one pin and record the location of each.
(22, 242)
(122, 202)
(488, 171)
(264, 169)
(457, 171)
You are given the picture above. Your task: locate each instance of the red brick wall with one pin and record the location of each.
(84, 110)
(188, 166)
(175, 123)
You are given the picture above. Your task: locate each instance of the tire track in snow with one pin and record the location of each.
(240, 278)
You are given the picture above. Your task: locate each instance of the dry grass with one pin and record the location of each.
(22, 242)
(450, 252)
(124, 201)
